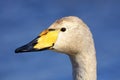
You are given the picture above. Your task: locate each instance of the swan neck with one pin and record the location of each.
(84, 67)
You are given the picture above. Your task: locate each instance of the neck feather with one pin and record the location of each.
(84, 66)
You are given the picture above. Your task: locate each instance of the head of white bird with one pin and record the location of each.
(66, 35)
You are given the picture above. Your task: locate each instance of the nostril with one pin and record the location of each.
(34, 43)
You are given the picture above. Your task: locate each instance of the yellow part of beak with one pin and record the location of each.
(47, 39)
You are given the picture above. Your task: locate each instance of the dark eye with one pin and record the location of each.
(63, 29)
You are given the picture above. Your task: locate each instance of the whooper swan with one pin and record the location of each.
(71, 36)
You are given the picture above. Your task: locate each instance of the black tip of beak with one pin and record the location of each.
(18, 50)
(25, 48)
(28, 47)
(21, 49)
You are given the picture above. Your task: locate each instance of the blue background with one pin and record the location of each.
(22, 20)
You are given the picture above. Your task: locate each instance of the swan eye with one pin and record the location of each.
(63, 29)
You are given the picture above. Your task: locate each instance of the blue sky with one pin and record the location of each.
(22, 20)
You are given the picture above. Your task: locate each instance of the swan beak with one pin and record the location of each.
(45, 40)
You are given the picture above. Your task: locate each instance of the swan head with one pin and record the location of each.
(68, 35)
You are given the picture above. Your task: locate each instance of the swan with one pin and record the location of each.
(71, 36)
